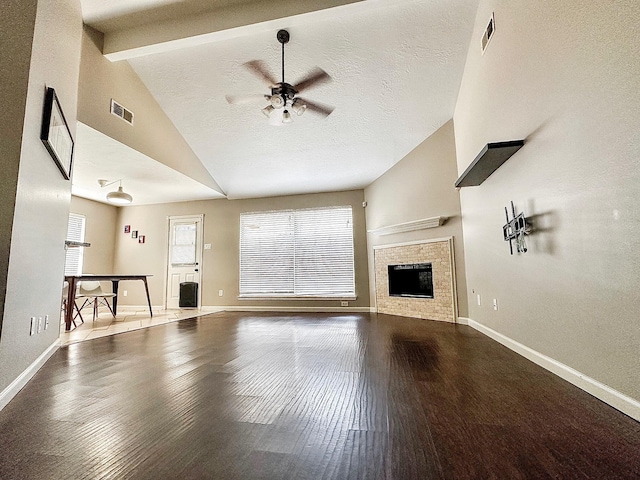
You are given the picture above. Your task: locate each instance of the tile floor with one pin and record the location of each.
(127, 319)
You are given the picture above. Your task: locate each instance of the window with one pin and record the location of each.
(183, 244)
(75, 233)
(297, 253)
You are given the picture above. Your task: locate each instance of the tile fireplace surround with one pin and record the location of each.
(439, 253)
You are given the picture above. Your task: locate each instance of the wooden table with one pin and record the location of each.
(115, 280)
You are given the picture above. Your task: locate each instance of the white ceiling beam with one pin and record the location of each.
(222, 24)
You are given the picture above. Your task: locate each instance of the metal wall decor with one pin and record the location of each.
(515, 230)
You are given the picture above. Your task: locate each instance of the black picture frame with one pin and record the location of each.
(55, 133)
(134, 233)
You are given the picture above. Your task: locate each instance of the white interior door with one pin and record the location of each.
(184, 256)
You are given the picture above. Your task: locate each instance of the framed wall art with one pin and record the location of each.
(55, 133)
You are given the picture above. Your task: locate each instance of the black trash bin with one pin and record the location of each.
(188, 295)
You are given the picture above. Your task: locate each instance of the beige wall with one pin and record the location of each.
(16, 29)
(420, 186)
(563, 75)
(221, 263)
(36, 260)
(152, 133)
(100, 232)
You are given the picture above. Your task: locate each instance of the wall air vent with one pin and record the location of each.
(119, 111)
(488, 33)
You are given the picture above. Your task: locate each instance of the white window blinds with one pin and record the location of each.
(75, 233)
(183, 244)
(300, 253)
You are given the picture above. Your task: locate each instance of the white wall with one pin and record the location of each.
(36, 261)
(564, 76)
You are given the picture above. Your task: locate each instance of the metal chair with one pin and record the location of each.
(92, 293)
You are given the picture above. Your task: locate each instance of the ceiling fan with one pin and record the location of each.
(284, 97)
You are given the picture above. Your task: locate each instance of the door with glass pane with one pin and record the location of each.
(184, 256)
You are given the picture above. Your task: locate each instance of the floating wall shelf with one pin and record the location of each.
(409, 226)
(488, 160)
(71, 244)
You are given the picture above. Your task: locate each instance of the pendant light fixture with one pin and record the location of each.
(119, 197)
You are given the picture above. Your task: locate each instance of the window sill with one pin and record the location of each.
(297, 297)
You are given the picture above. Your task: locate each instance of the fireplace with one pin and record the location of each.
(412, 280)
(416, 279)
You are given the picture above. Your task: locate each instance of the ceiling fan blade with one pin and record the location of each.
(260, 70)
(316, 77)
(324, 110)
(244, 99)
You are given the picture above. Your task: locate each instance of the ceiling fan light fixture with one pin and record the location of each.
(298, 107)
(282, 100)
(277, 101)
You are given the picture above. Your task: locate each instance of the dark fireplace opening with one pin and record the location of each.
(413, 280)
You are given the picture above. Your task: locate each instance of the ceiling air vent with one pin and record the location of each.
(488, 33)
(119, 111)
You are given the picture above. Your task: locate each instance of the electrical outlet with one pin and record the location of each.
(32, 330)
(220, 293)
(207, 246)
(46, 322)
(479, 302)
(495, 304)
(124, 293)
(40, 324)
(344, 304)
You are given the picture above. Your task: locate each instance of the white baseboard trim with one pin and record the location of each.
(154, 308)
(616, 399)
(240, 308)
(463, 321)
(14, 387)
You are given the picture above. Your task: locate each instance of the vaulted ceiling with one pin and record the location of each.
(395, 66)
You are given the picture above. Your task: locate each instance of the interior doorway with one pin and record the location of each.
(184, 256)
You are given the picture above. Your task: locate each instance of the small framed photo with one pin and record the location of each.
(141, 239)
(127, 229)
(55, 134)
(134, 234)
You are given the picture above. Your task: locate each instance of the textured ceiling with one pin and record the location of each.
(396, 69)
(112, 15)
(97, 156)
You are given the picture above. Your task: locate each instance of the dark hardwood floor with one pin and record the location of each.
(318, 396)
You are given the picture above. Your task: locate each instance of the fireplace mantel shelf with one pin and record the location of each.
(409, 226)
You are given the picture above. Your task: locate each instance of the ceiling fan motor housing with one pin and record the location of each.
(282, 91)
